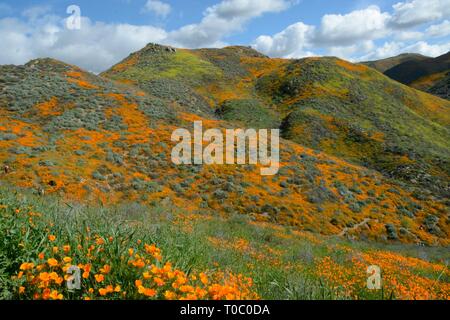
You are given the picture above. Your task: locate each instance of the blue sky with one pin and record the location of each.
(110, 30)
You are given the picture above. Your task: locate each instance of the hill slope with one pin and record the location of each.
(328, 104)
(67, 131)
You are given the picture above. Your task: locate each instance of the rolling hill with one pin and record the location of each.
(346, 110)
(67, 131)
(362, 158)
(384, 65)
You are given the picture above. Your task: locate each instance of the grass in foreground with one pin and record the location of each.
(136, 252)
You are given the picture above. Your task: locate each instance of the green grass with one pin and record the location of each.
(185, 242)
(182, 65)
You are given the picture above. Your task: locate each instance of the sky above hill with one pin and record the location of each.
(110, 30)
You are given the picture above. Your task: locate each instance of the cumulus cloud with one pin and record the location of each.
(342, 35)
(389, 49)
(353, 35)
(416, 12)
(161, 9)
(432, 50)
(369, 23)
(293, 41)
(349, 52)
(35, 12)
(408, 35)
(439, 30)
(223, 19)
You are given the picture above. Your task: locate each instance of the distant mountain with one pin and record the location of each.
(385, 64)
(430, 75)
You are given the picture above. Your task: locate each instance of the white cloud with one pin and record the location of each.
(348, 52)
(245, 9)
(416, 12)
(159, 8)
(223, 19)
(439, 30)
(15, 45)
(290, 42)
(408, 35)
(35, 12)
(390, 49)
(342, 35)
(366, 24)
(354, 34)
(431, 50)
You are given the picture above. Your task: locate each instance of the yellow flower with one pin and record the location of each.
(204, 278)
(117, 289)
(99, 277)
(187, 289)
(138, 283)
(52, 262)
(21, 290)
(51, 237)
(41, 256)
(150, 292)
(55, 249)
(170, 295)
(44, 276)
(167, 267)
(55, 295)
(87, 299)
(99, 241)
(86, 267)
(159, 282)
(67, 259)
(26, 266)
(146, 275)
(103, 292)
(66, 248)
(130, 252)
(147, 292)
(85, 275)
(106, 269)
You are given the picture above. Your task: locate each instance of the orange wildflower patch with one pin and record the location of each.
(49, 108)
(351, 66)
